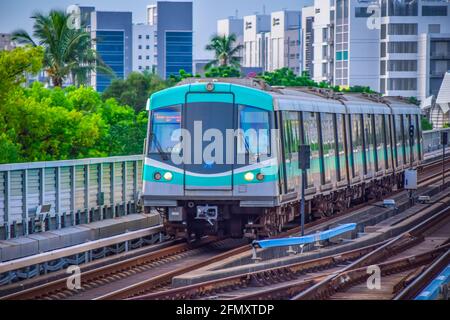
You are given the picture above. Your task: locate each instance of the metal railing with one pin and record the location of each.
(50, 195)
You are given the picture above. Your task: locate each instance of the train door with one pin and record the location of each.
(207, 122)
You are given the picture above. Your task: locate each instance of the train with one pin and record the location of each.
(222, 155)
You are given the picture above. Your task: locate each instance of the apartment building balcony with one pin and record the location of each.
(440, 55)
(437, 73)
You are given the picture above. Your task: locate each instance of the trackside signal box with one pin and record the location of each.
(304, 155)
(410, 179)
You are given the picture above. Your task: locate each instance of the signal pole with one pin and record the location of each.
(444, 141)
(304, 154)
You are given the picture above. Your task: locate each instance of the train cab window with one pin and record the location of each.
(340, 159)
(311, 132)
(387, 132)
(328, 146)
(380, 142)
(369, 143)
(357, 158)
(291, 141)
(399, 141)
(255, 124)
(165, 122)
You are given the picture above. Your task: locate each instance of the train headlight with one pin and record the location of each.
(157, 176)
(249, 176)
(260, 176)
(168, 176)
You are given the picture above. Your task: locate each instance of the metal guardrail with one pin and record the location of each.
(432, 140)
(50, 195)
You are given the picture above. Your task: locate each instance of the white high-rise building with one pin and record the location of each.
(144, 48)
(399, 48)
(339, 47)
(415, 47)
(284, 48)
(256, 28)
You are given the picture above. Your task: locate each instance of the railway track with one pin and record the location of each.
(286, 281)
(108, 274)
(400, 261)
(153, 271)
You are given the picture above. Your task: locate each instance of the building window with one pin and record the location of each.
(383, 49)
(402, 47)
(147, 57)
(140, 68)
(402, 65)
(147, 37)
(434, 28)
(383, 67)
(440, 11)
(140, 36)
(178, 52)
(147, 47)
(140, 57)
(147, 68)
(402, 29)
(363, 12)
(383, 31)
(139, 47)
(402, 84)
(402, 8)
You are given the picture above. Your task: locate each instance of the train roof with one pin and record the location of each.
(319, 99)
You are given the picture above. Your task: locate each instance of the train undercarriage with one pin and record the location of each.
(194, 219)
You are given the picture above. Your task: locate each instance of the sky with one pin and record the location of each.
(15, 14)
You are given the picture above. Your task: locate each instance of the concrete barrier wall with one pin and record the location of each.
(77, 191)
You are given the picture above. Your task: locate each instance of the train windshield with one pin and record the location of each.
(256, 125)
(165, 125)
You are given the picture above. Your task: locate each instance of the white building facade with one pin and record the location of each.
(283, 47)
(415, 47)
(398, 48)
(256, 28)
(144, 48)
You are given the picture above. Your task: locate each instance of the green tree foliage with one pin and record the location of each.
(223, 72)
(136, 89)
(40, 124)
(68, 51)
(225, 51)
(426, 125)
(286, 77)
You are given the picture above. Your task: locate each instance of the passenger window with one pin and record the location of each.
(399, 142)
(340, 125)
(369, 143)
(291, 141)
(357, 158)
(310, 123)
(380, 143)
(328, 146)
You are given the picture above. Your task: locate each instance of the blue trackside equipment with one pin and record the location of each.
(320, 236)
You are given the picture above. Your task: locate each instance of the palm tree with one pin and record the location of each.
(68, 51)
(225, 51)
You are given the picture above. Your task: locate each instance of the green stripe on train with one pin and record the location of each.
(271, 174)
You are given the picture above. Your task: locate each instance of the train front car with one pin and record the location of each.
(210, 165)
